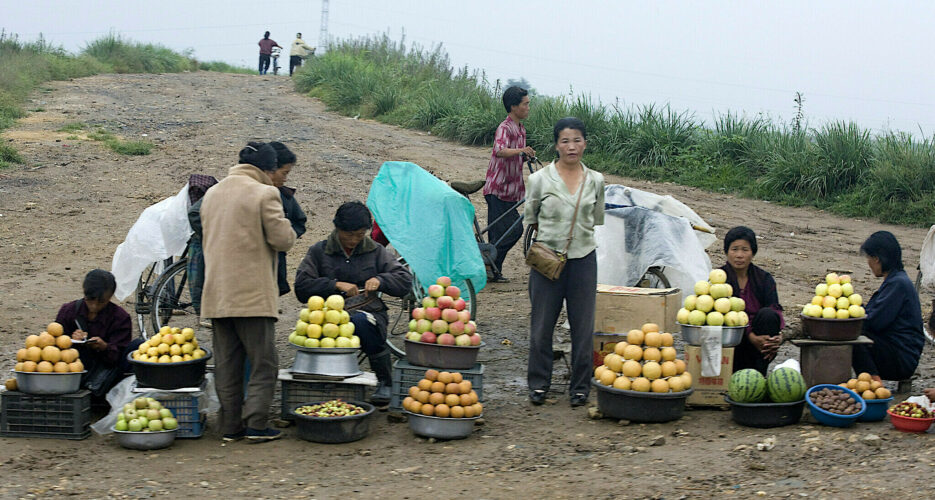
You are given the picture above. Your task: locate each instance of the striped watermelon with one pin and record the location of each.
(785, 385)
(747, 386)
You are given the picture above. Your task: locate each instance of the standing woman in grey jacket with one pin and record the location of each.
(551, 197)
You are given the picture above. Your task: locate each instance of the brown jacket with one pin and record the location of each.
(243, 227)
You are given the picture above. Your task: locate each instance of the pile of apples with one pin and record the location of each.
(712, 304)
(835, 299)
(170, 345)
(645, 362)
(48, 352)
(443, 318)
(324, 323)
(443, 394)
(145, 415)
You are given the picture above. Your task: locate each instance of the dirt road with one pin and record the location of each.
(67, 209)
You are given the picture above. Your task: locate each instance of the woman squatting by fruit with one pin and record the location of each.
(105, 329)
(347, 262)
(552, 196)
(894, 316)
(757, 288)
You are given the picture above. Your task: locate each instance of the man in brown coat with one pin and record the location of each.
(244, 227)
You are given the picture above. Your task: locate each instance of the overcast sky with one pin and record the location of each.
(870, 62)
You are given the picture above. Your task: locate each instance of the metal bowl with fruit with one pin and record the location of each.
(334, 421)
(48, 383)
(441, 427)
(910, 417)
(453, 357)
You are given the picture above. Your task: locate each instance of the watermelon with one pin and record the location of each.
(785, 385)
(747, 386)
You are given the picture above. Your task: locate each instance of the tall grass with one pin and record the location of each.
(837, 166)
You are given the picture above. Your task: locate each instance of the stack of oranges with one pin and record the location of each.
(49, 352)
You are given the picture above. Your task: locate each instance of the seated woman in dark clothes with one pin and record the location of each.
(345, 263)
(894, 316)
(105, 329)
(757, 288)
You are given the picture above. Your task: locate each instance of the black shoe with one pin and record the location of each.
(499, 279)
(237, 436)
(579, 399)
(537, 397)
(262, 435)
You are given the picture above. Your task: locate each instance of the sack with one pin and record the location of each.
(546, 261)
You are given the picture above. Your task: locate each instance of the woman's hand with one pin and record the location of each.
(930, 393)
(372, 285)
(79, 335)
(97, 343)
(529, 151)
(767, 345)
(348, 289)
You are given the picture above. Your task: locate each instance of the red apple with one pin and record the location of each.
(445, 302)
(444, 281)
(436, 291)
(428, 302)
(423, 325)
(450, 315)
(446, 339)
(453, 292)
(418, 313)
(460, 304)
(464, 316)
(463, 340)
(433, 313)
(475, 339)
(439, 326)
(456, 328)
(470, 328)
(428, 337)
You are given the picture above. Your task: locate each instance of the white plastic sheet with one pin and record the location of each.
(123, 393)
(162, 231)
(927, 260)
(635, 238)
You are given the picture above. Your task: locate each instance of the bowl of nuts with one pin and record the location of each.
(834, 406)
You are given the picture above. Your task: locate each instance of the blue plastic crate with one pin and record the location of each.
(185, 408)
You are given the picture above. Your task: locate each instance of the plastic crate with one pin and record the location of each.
(185, 408)
(296, 392)
(65, 416)
(406, 375)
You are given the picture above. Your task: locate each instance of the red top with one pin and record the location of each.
(505, 175)
(266, 46)
(112, 325)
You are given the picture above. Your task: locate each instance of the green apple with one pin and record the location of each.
(134, 425)
(165, 413)
(170, 423)
(821, 290)
(847, 289)
(737, 304)
(843, 303)
(311, 342)
(121, 425)
(832, 279)
(342, 342)
(696, 317)
(731, 318)
(717, 276)
(355, 341)
(682, 316)
(829, 313)
(855, 299)
(702, 288)
(155, 425)
(743, 319)
(121, 416)
(722, 305)
(140, 403)
(704, 303)
(129, 406)
(303, 315)
(152, 414)
(129, 414)
(715, 318)
(855, 311)
(835, 290)
(144, 421)
(843, 314)
(689, 302)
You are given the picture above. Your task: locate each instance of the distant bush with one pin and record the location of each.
(838, 166)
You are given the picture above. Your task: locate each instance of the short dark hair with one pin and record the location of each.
(352, 216)
(260, 155)
(569, 122)
(283, 155)
(884, 246)
(298, 35)
(513, 96)
(266, 34)
(99, 284)
(740, 233)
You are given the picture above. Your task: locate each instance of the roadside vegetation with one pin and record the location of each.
(837, 166)
(26, 65)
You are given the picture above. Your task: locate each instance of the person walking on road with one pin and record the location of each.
(266, 50)
(299, 51)
(504, 186)
(243, 228)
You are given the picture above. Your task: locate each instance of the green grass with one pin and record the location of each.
(73, 127)
(223, 67)
(9, 156)
(837, 166)
(117, 145)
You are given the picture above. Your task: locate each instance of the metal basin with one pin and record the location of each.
(832, 329)
(730, 335)
(334, 362)
(146, 440)
(334, 429)
(441, 428)
(450, 357)
(48, 383)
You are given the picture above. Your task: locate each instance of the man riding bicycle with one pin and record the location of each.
(504, 184)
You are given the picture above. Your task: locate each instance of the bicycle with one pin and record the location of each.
(163, 293)
(488, 250)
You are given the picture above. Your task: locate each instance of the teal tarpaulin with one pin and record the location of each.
(428, 223)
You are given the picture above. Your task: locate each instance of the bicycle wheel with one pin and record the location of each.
(527, 239)
(172, 301)
(653, 278)
(145, 288)
(399, 310)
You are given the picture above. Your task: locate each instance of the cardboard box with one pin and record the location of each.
(709, 391)
(623, 308)
(604, 344)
